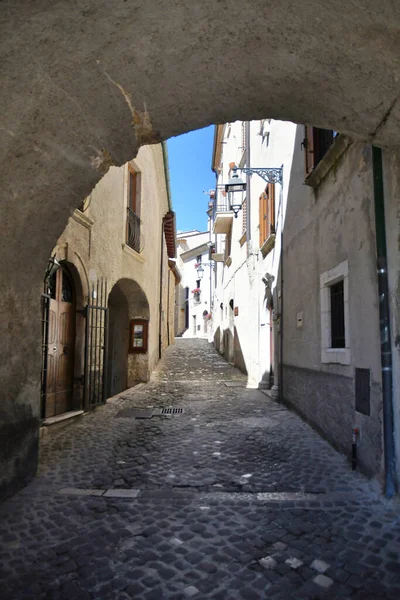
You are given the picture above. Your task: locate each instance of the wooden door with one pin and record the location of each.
(61, 342)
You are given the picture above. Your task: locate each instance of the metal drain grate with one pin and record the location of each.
(172, 411)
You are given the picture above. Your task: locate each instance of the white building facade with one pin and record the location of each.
(193, 294)
(247, 247)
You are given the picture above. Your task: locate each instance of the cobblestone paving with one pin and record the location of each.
(236, 498)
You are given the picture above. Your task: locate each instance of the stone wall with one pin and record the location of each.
(324, 226)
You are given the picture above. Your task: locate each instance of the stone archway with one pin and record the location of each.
(126, 301)
(85, 85)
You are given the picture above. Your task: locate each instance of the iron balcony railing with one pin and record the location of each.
(133, 230)
(221, 204)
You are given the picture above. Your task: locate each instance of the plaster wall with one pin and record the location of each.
(324, 227)
(101, 251)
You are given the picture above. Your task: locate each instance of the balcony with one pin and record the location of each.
(222, 214)
(133, 237)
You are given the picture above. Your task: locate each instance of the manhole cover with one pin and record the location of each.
(172, 411)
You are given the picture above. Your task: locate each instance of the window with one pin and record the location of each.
(267, 213)
(335, 332)
(337, 315)
(133, 238)
(316, 143)
(138, 336)
(198, 283)
(198, 259)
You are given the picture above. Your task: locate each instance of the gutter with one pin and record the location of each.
(384, 325)
(166, 173)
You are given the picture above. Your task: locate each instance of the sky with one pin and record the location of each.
(190, 175)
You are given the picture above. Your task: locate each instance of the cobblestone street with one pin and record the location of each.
(236, 498)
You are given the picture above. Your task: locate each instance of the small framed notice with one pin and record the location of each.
(138, 334)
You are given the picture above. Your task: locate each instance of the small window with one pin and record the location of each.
(138, 338)
(198, 259)
(316, 144)
(198, 281)
(337, 315)
(133, 223)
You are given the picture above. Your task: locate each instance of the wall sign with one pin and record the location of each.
(138, 336)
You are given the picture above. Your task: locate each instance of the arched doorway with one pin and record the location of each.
(118, 340)
(129, 353)
(59, 342)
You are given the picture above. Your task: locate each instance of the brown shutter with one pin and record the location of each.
(263, 217)
(308, 144)
(271, 208)
(244, 215)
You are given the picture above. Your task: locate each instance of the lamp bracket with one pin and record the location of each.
(270, 175)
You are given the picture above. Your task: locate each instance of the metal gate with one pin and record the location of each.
(96, 346)
(45, 305)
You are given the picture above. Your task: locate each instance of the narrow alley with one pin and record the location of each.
(233, 498)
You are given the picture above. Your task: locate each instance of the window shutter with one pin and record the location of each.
(271, 208)
(308, 144)
(263, 217)
(244, 215)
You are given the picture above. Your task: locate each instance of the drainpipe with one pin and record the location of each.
(280, 390)
(248, 190)
(161, 291)
(384, 323)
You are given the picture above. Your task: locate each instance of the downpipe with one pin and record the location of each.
(384, 325)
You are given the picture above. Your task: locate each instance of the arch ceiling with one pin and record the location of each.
(85, 82)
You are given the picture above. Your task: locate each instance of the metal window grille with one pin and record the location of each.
(337, 315)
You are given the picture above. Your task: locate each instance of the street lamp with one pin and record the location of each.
(52, 267)
(236, 187)
(200, 272)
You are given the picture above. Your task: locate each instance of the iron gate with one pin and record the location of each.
(96, 346)
(45, 306)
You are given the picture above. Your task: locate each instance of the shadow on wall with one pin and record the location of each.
(217, 339)
(237, 353)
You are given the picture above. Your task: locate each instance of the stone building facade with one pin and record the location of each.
(109, 292)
